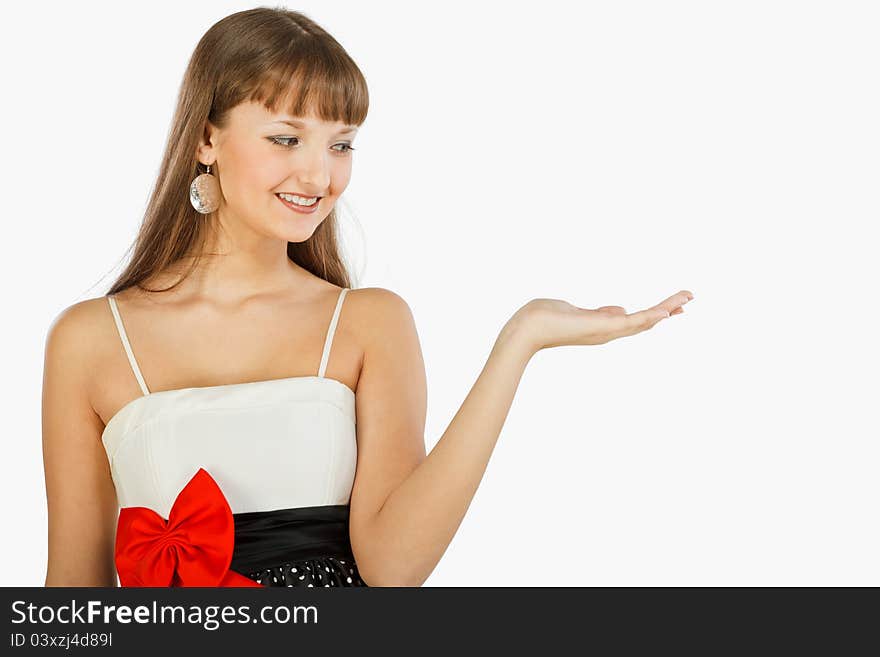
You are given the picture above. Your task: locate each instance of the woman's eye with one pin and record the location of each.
(279, 140)
(284, 141)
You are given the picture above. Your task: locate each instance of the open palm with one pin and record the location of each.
(555, 323)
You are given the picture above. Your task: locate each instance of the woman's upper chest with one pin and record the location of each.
(165, 346)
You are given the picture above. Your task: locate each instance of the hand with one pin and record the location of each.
(543, 323)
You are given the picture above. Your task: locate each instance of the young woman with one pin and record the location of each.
(232, 413)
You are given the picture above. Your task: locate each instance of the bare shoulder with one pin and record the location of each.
(76, 339)
(377, 301)
(379, 313)
(75, 328)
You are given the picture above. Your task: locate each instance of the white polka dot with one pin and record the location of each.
(348, 579)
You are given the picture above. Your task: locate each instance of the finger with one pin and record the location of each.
(645, 319)
(678, 298)
(675, 301)
(642, 320)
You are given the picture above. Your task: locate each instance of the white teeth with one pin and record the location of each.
(299, 200)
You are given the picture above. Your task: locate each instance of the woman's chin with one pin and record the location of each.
(299, 233)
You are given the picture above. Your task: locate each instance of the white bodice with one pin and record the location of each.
(274, 444)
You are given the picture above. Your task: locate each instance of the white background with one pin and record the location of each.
(605, 154)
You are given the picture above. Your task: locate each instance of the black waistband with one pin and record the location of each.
(264, 539)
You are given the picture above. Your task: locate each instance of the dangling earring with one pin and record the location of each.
(204, 192)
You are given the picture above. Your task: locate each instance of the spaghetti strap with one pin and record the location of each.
(329, 340)
(125, 343)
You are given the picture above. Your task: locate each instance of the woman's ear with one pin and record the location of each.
(206, 152)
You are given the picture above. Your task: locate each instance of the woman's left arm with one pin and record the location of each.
(406, 507)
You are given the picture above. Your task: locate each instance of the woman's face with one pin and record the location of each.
(258, 155)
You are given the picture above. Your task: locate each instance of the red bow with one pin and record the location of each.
(192, 548)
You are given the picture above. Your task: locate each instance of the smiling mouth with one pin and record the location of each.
(309, 198)
(301, 208)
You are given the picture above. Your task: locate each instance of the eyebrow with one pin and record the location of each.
(302, 126)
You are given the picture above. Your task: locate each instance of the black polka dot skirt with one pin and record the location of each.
(305, 546)
(323, 571)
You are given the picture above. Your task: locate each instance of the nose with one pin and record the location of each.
(313, 169)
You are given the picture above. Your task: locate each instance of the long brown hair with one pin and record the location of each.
(269, 55)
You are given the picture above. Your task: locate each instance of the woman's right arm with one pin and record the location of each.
(80, 494)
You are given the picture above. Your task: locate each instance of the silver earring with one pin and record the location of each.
(204, 192)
